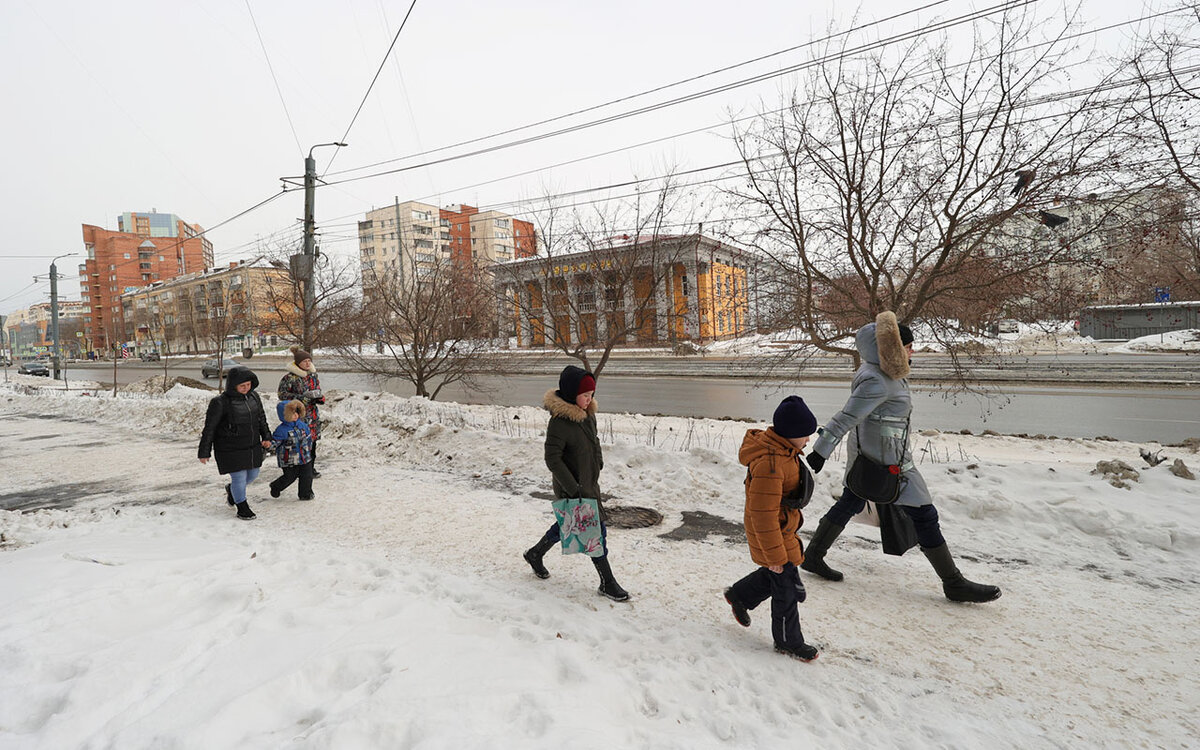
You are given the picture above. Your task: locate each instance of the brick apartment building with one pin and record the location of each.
(147, 247)
(398, 240)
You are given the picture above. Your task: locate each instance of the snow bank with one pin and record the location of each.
(395, 611)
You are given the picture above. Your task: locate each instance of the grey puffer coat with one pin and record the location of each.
(878, 413)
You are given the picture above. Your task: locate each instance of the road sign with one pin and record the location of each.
(1162, 294)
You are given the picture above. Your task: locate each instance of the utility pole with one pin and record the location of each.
(56, 355)
(304, 268)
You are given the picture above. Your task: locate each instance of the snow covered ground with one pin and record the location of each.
(395, 610)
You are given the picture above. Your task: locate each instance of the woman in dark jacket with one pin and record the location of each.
(574, 458)
(236, 432)
(301, 384)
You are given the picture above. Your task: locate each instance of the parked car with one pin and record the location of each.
(151, 357)
(34, 368)
(212, 368)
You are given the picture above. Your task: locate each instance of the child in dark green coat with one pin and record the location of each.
(574, 458)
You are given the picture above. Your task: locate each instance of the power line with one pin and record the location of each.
(375, 78)
(630, 97)
(273, 78)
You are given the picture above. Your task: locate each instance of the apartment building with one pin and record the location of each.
(227, 309)
(403, 239)
(147, 247)
(29, 332)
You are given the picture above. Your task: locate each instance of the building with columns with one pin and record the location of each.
(658, 290)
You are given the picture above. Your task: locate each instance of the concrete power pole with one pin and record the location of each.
(56, 352)
(304, 267)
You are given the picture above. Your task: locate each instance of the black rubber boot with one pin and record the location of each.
(814, 551)
(608, 584)
(534, 556)
(954, 585)
(244, 511)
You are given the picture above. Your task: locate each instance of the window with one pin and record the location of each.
(127, 256)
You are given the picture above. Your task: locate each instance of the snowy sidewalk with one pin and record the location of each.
(395, 611)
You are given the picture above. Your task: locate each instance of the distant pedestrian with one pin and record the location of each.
(574, 458)
(301, 383)
(877, 419)
(236, 432)
(778, 485)
(293, 449)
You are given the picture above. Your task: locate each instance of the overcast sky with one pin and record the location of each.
(133, 106)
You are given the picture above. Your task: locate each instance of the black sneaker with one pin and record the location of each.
(740, 613)
(244, 511)
(229, 494)
(308, 497)
(803, 652)
(316, 474)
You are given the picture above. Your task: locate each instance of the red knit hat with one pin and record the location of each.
(587, 383)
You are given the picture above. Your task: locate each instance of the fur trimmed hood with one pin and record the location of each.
(879, 343)
(560, 408)
(294, 369)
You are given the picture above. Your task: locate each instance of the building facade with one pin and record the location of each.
(29, 332)
(406, 239)
(218, 309)
(644, 290)
(159, 247)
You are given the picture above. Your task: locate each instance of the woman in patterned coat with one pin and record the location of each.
(301, 383)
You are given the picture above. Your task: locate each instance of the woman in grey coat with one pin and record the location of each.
(876, 418)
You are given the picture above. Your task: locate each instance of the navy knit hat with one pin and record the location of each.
(793, 419)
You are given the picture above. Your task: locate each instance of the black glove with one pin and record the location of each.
(815, 462)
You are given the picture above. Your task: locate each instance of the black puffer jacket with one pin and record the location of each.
(235, 426)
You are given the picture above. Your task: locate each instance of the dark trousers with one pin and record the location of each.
(755, 588)
(303, 472)
(553, 536)
(924, 517)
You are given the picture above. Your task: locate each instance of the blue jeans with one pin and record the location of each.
(238, 481)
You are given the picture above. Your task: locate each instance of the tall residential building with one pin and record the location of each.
(399, 240)
(149, 247)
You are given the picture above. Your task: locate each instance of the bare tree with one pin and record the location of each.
(1165, 135)
(434, 325)
(898, 180)
(335, 284)
(601, 279)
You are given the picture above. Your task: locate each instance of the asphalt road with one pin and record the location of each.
(1129, 403)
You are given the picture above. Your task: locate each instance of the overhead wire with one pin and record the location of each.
(382, 62)
(274, 79)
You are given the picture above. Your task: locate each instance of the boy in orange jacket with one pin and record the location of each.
(778, 485)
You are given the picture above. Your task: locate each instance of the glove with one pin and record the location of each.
(815, 462)
(801, 594)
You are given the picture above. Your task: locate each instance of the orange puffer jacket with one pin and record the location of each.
(774, 472)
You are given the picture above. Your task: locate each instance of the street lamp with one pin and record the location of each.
(56, 357)
(303, 270)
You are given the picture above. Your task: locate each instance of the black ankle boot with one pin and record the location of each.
(608, 584)
(534, 556)
(229, 494)
(954, 585)
(814, 551)
(244, 511)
